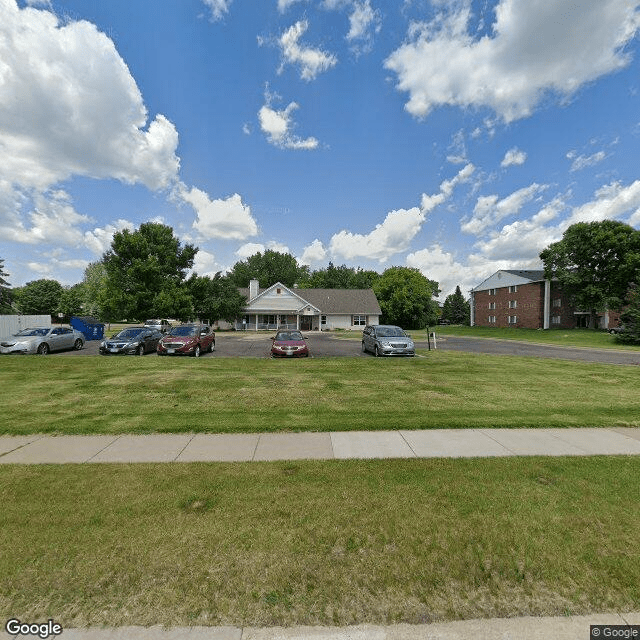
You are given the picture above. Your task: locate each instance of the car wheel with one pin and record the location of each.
(43, 349)
(77, 345)
(141, 350)
(196, 351)
(212, 346)
(376, 351)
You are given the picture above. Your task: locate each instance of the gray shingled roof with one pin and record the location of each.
(534, 276)
(332, 301)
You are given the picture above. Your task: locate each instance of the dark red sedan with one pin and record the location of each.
(289, 344)
(187, 340)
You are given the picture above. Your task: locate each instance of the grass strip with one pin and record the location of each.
(319, 543)
(96, 395)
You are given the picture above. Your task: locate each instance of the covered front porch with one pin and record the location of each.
(305, 321)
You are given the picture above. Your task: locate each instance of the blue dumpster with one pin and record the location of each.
(92, 328)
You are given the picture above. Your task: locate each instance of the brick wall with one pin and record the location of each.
(526, 303)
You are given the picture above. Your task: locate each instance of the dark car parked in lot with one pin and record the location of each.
(289, 344)
(187, 340)
(387, 340)
(132, 341)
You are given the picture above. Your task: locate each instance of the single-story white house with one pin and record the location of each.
(307, 309)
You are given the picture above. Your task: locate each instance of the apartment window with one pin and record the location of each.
(513, 288)
(492, 292)
(359, 321)
(513, 304)
(492, 305)
(555, 319)
(513, 319)
(492, 319)
(557, 302)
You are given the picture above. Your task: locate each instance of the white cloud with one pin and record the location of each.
(364, 22)
(441, 266)
(69, 106)
(535, 49)
(310, 61)
(513, 157)
(251, 248)
(204, 264)
(99, 239)
(313, 253)
(283, 5)
(582, 162)
(612, 202)
(390, 237)
(227, 219)
(430, 202)
(218, 8)
(490, 209)
(278, 126)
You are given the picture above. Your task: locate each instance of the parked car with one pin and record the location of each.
(132, 341)
(387, 340)
(289, 344)
(187, 340)
(160, 325)
(42, 340)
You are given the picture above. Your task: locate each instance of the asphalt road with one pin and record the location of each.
(326, 345)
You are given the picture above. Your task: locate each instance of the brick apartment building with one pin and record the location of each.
(512, 298)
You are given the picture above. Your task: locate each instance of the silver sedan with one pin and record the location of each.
(42, 340)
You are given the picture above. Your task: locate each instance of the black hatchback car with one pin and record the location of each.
(132, 341)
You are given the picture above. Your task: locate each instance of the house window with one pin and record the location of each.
(513, 304)
(557, 302)
(278, 291)
(492, 292)
(323, 319)
(492, 305)
(513, 288)
(492, 319)
(513, 319)
(359, 321)
(555, 319)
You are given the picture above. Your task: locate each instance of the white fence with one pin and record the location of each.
(12, 324)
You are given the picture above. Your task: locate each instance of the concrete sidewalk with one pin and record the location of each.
(433, 443)
(529, 628)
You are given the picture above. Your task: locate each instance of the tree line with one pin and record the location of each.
(144, 275)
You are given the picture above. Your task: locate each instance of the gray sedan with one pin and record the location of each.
(387, 340)
(42, 340)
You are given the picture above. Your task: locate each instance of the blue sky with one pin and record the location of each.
(455, 136)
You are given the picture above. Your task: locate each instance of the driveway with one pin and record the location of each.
(327, 345)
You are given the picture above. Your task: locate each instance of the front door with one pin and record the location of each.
(305, 323)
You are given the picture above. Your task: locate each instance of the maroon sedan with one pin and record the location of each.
(289, 344)
(187, 340)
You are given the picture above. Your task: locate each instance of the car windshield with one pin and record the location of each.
(127, 334)
(153, 322)
(390, 332)
(184, 331)
(288, 335)
(33, 332)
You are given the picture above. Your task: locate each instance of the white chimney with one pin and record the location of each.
(253, 289)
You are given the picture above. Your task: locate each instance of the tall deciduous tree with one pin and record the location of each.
(406, 298)
(5, 291)
(39, 297)
(71, 301)
(456, 309)
(146, 271)
(268, 268)
(594, 264)
(630, 318)
(215, 298)
(93, 283)
(341, 277)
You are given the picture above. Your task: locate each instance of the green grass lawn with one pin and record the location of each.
(336, 543)
(442, 390)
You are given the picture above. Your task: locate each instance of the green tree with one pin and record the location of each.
(215, 298)
(341, 277)
(594, 264)
(39, 297)
(268, 268)
(146, 271)
(456, 309)
(71, 301)
(93, 283)
(630, 318)
(406, 298)
(5, 291)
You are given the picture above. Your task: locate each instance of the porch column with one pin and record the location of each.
(473, 309)
(256, 321)
(298, 321)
